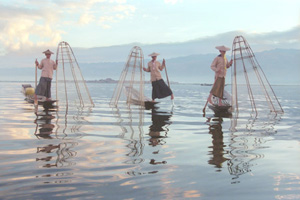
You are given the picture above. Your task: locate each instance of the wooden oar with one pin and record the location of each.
(167, 77)
(209, 97)
(205, 105)
(35, 74)
(35, 101)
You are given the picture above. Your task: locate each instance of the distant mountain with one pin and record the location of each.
(281, 66)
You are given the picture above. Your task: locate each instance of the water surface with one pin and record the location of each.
(132, 153)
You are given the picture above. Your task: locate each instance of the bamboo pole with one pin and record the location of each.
(36, 74)
(168, 80)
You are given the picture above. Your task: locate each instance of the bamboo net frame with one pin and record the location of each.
(71, 87)
(248, 75)
(131, 82)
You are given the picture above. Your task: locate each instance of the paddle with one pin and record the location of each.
(35, 101)
(35, 73)
(209, 96)
(168, 79)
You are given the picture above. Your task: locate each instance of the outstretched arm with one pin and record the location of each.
(146, 69)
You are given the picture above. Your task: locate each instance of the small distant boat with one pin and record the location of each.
(28, 92)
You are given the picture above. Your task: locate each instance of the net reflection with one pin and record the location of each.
(243, 153)
(249, 135)
(131, 120)
(243, 149)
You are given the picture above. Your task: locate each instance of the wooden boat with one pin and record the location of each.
(28, 92)
(224, 108)
(135, 98)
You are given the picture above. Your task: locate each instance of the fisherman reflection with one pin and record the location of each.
(44, 130)
(44, 126)
(158, 132)
(217, 152)
(60, 152)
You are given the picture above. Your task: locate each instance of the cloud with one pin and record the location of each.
(20, 25)
(115, 13)
(36, 24)
(86, 18)
(172, 1)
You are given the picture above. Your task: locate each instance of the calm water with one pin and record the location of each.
(129, 153)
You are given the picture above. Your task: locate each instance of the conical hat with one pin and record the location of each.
(48, 52)
(154, 54)
(222, 48)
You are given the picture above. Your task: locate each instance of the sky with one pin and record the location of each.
(36, 24)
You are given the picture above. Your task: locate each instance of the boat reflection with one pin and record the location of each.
(44, 125)
(217, 151)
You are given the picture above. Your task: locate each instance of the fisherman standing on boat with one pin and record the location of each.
(219, 66)
(159, 87)
(47, 66)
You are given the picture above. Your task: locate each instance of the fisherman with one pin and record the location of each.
(159, 87)
(47, 66)
(219, 66)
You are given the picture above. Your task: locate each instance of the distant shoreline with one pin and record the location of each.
(112, 81)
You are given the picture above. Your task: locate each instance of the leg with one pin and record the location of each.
(35, 100)
(220, 102)
(209, 98)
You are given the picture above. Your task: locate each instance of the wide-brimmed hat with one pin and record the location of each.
(48, 52)
(154, 54)
(222, 48)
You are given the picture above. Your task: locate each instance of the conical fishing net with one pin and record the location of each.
(71, 88)
(251, 91)
(130, 88)
(250, 87)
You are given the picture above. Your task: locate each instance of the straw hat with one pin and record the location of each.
(154, 54)
(48, 52)
(222, 48)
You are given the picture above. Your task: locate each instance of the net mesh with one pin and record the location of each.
(251, 91)
(71, 88)
(250, 87)
(130, 87)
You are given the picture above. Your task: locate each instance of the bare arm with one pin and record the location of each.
(55, 66)
(161, 67)
(37, 64)
(229, 63)
(147, 69)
